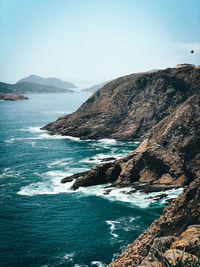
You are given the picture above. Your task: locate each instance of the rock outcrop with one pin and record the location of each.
(169, 157)
(12, 97)
(163, 110)
(170, 232)
(128, 107)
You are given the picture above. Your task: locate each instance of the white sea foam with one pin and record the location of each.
(122, 195)
(102, 157)
(107, 141)
(121, 224)
(10, 141)
(60, 163)
(80, 265)
(112, 227)
(69, 257)
(41, 137)
(32, 129)
(98, 263)
(8, 172)
(72, 138)
(50, 184)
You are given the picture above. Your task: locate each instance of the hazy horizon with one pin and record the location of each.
(89, 42)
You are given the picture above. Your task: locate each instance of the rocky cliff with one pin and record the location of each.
(163, 110)
(169, 232)
(169, 157)
(128, 107)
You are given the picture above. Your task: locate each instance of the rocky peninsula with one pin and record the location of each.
(128, 107)
(162, 110)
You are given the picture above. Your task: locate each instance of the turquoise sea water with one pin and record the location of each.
(43, 222)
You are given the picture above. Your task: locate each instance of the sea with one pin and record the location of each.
(45, 223)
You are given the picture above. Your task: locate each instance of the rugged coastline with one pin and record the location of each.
(164, 113)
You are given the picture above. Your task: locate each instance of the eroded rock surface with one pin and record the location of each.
(168, 158)
(183, 212)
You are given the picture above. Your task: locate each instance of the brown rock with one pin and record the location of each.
(173, 255)
(181, 213)
(189, 240)
(13, 97)
(128, 107)
(170, 157)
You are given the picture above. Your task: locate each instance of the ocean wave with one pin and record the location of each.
(50, 184)
(121, 224)
(123, 195)
(112, 227)
(60, 163)
(32, 129)
(107, 141)
(41, 137)
(69, 257)
(98, 263)
(102, 157)
(8, 172)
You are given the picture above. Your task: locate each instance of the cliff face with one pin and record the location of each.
(128, 107)
(169, 157)
(181, 213)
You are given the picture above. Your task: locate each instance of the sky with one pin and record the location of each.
(91, 41)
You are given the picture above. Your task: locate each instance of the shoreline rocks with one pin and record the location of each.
(13, 97)
(183, 212)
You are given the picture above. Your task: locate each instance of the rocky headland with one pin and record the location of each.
(128, 107)
(162, 110)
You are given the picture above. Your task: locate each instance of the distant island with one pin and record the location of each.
(36, 84)
(47, 81)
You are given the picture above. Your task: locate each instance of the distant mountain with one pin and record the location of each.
(95, 87)
(6, 88)
(47, 81)
(28, 87)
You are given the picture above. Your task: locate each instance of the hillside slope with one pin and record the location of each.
(128, 107)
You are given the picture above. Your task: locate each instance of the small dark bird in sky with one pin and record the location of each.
(192, 51)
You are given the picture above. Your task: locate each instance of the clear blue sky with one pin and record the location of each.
(96, 40)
